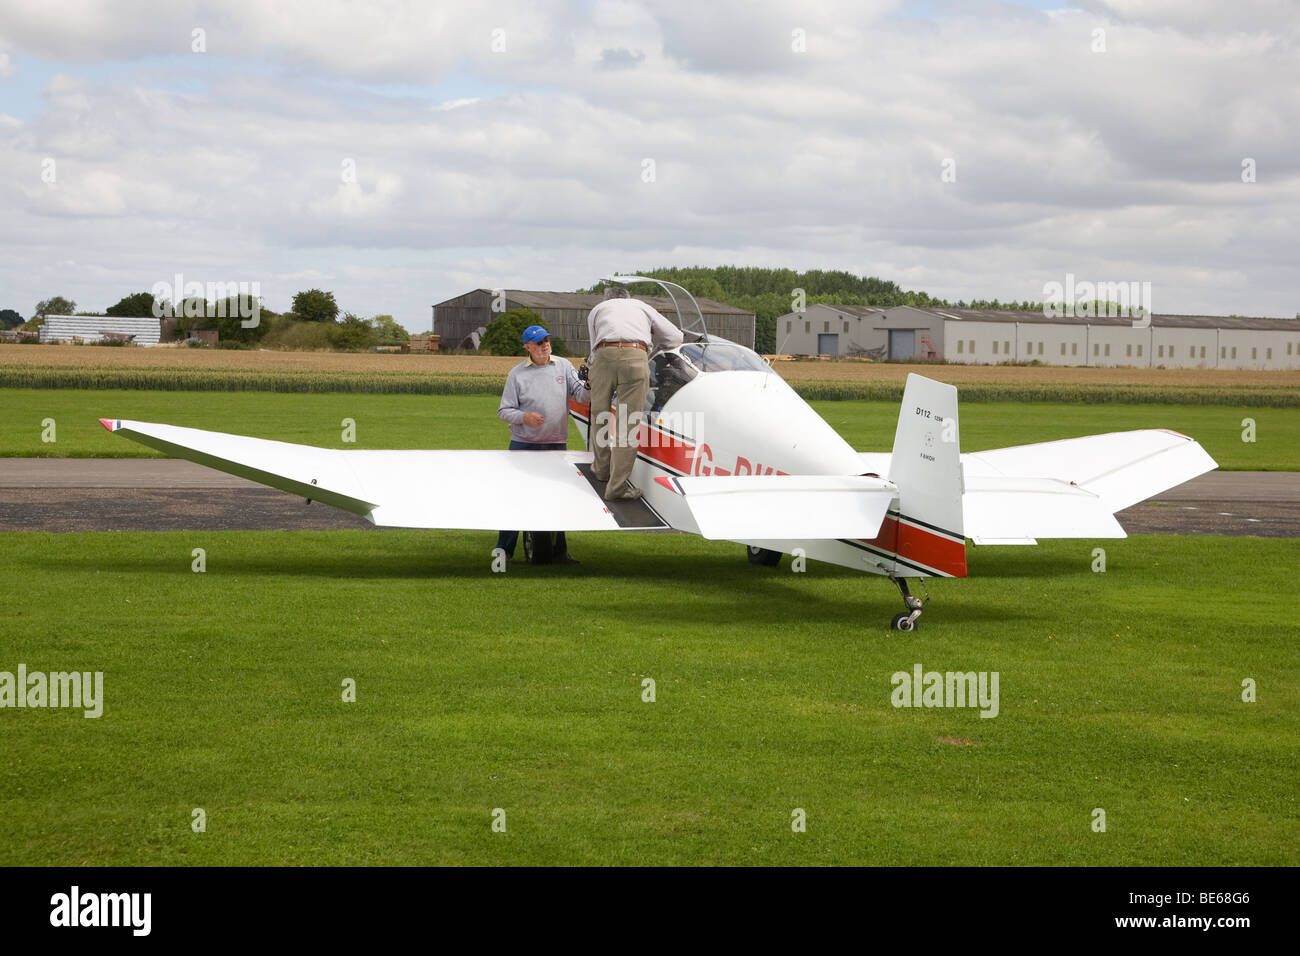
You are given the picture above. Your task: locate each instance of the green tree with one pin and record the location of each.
(9, 319)
(354, 334)
(229, 315)
(191, 313)
(388, 331)
(505, 334)
(315, 306)
(138, 305)
(57, 305)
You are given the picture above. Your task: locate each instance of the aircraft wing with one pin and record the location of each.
(745, 507)
(487, 490)
(1072, 488)
(1066, 489)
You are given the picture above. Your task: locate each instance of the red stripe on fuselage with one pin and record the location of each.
(659, 446)
(665, 449)
(924, 547)
(672, 453)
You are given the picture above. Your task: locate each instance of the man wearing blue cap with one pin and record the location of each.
(535, 404)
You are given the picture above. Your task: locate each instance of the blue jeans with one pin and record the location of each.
(506, 540)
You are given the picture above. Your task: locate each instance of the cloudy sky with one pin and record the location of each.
(400, 153)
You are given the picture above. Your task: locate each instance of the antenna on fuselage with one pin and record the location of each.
(697, 327)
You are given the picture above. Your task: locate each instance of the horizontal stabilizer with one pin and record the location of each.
(786, 506)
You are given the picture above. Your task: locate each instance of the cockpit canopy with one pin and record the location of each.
(673, 368)
(720, 355)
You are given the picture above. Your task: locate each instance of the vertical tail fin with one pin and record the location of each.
(926, 466)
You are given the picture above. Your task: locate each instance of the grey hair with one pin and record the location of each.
(617, 292)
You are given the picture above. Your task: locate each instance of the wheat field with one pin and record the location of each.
(843, 371)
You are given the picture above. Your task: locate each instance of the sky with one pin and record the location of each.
(401, 153)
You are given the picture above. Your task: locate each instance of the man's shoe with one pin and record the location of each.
(603, 479)
(631, 494)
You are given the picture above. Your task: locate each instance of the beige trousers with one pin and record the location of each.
(625, 371)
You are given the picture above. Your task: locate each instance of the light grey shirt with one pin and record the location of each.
(631, 320)
(545, 389)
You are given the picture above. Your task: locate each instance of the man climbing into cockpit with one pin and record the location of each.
(622, 331)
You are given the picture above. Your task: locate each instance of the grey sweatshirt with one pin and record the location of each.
(545, 389)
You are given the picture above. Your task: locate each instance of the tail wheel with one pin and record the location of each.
(539, 547)
(763, 556)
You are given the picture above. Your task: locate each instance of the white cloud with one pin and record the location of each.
(377, 40)
(1201, 16)
(1123, 164)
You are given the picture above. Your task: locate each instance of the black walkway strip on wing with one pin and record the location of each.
(628, 514)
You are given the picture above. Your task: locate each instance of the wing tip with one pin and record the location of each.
(111, 424)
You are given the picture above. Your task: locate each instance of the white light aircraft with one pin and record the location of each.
(727, 450)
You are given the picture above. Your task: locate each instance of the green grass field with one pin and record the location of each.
(523, 691)
(469, 421)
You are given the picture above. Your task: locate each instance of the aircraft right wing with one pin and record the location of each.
(1072, 488)
(1066, 489)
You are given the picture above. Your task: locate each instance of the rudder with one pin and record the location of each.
(926, 467)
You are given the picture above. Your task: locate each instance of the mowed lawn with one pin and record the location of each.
(469, 421)
(523, 693)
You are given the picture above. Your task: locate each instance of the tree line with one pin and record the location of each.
(312, 322)
(770, 293)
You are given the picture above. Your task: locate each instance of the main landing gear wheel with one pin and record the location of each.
(903, 622)
(763, 556)
(539, 547)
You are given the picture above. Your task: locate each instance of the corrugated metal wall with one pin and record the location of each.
(89, 328)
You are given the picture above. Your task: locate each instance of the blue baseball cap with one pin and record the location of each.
(535, 333)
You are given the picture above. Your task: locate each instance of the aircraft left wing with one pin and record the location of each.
(485, 490)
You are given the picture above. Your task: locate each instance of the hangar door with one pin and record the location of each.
(828, 344)
(902, 343)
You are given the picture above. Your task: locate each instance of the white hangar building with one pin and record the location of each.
(988, 337)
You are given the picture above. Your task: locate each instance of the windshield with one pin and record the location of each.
(672, 369)
(719, 355)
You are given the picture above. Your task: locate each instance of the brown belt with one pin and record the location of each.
(622, 345)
